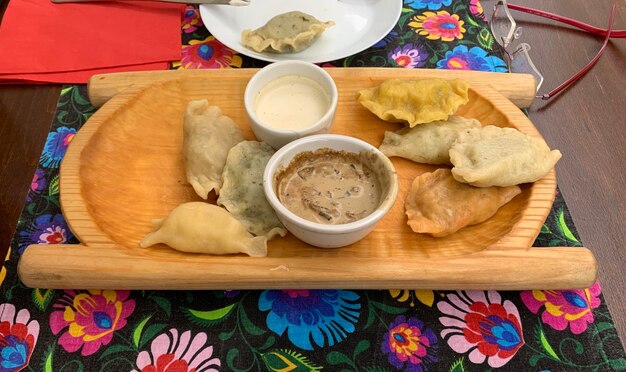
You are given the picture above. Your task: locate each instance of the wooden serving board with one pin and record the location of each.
(518, 88)
(124, 168)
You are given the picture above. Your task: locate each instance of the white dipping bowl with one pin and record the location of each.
(323, 235)
(279, 137)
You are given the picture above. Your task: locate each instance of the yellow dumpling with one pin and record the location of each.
(415, 101)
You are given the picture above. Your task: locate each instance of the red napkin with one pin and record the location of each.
(76, 77)
(67, 43)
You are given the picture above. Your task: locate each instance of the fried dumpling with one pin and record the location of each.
(289, 32)
(439, 205)
(493, 156)
(427, 143)
(199, 227)
(242, 192)
(415, 101)
(207, 137)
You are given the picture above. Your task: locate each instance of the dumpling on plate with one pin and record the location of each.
(207, 137)
(415, 101)
(199, 227)
(439, 205)
(285, 33)
(427, 143)
(242, 191)
(493, 156)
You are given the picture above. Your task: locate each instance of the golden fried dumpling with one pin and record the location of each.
(439, 205)
(199, 227)
(493, 156)
(427, 143)
(415, 101)
(285, 33)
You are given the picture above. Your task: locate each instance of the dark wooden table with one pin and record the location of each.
(587, 123)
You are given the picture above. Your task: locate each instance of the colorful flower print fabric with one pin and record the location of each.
(410, 345)
(18, 337)
(482, 325)
(88, 320)
(439, 34)
(174, 351)
(311, 318)
(300, 329)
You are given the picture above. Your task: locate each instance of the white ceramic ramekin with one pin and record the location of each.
(322, 235)
(279, 137)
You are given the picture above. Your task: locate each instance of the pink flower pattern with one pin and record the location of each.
(18, 337)
(208, 53)
(90, 318)
(563, 308)
(441, 25)
(480, 323)
(178, 353)
(476, 8)
(191, 19)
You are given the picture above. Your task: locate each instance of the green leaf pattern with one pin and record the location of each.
(288, 360)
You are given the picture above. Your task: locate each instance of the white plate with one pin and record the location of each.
(359, 24)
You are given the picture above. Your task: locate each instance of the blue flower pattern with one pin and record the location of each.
(475, 59)
(325, 317)
(55, 147)
(427, 4)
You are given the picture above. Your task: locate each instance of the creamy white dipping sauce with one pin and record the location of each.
(291, 102)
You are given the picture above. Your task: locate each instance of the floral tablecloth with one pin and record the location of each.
(300, 330)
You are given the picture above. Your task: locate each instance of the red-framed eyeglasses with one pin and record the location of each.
(505, 31)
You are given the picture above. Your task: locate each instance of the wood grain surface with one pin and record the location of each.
(586, 123)
(114, 267)
(120, 174)
(519, 88)
(25, 117)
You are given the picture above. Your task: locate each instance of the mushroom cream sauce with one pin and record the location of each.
(329, 186)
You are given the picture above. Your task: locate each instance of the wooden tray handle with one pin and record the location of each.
(518, 88)
(52, 266)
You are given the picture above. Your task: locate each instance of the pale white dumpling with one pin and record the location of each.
(427, 143)
(207, 137)
(199, 227)
(493, 156)
(285, 33)
(242, 192)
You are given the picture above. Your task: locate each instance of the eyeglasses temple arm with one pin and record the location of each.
(569, 21)
(589, 65)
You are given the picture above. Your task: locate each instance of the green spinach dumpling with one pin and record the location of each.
(289, 32)
(242, 192)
